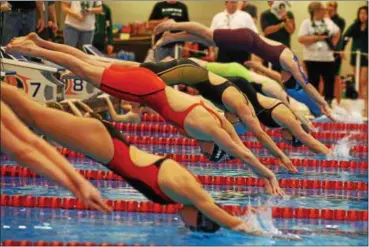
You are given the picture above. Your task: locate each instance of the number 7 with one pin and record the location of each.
(38, 85)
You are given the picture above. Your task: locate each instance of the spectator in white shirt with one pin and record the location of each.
(79, 27)
(233, 18)
(319, 35)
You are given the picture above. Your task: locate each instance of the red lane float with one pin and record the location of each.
(323, 126)
(169, 129)
(196, 158)
(150, 207)
(148, 140)
(17, 171)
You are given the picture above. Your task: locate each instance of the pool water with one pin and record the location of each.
(63, 225)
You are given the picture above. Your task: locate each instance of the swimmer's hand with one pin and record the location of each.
(92, 197)
(256, 230)
(326, 110)
(287, 163)
(272, 186)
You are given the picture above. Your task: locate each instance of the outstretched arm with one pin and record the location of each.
(308, 140)
(28, 149)
(124, 118)
(74, 109)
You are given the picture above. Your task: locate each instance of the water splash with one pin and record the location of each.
(344, 115)
(342, 149)
(261, 220)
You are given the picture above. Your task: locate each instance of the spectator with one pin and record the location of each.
(167, 10)
(358, 31)
(51, 23)
(80, 20)
(21, 19)
(250, 9)
(340, 22)
(103, 39)
(278, 24)
(319, 35)
(170, 10)
(232, 18)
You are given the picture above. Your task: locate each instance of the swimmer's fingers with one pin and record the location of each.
(268, 186)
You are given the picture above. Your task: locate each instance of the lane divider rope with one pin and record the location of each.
(198, 158)
(17, 171)
(323, 126)
(169, 129)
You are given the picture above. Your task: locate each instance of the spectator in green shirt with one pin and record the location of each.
(103, 38)
(277, 23)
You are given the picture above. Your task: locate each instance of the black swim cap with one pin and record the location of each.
(296, 142)
(218, 155)
(204, 224)
(197, 221)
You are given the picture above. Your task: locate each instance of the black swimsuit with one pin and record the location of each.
(264, 115)
(187, 72)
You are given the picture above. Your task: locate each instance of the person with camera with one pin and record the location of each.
(319, 35)
(278, 23)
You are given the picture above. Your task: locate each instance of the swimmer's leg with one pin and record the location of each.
(229, 70)
(86, 71)
(170, 38)
(75, 52)
(85, 135)
(190, 27)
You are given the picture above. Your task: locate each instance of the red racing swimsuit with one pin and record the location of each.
(144, 86)
(143, 179)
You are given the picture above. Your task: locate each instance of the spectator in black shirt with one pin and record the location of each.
(278, 24)
(250, 8)
(340, 22)
(168, 10)
(21, 19)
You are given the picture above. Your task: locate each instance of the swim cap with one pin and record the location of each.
(197, 221)
(213, 153)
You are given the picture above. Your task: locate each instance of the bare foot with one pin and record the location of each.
(32, 36)
(24, 48)
(165, 26)
(162, 40)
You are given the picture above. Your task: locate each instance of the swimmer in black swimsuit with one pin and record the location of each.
(244, 40)
(275, 114)
(220, 92)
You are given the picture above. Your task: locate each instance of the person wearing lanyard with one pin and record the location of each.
(319, 35)
(20, 19)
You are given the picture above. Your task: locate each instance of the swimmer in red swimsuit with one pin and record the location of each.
(160, 179)
(244, 40)
(190, 115)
